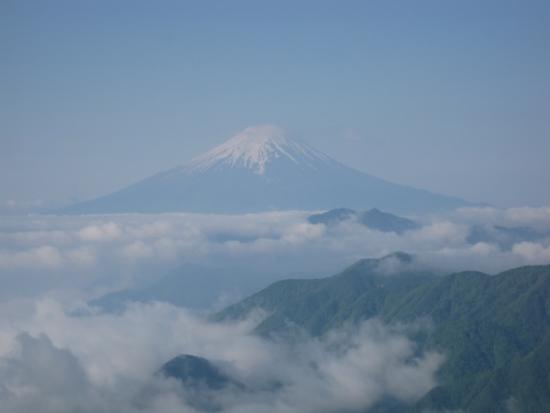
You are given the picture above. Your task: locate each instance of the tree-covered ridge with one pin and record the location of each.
(493, 329)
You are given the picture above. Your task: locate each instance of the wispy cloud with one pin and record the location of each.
(106, 362)
(115, 251)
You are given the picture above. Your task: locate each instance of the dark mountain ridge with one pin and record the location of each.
(372, 218)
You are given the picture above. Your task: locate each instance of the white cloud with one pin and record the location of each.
(83, 257)
(539, 218)
(114, 251)
(136, 250)
(444, 232)
(112, 357)
(44, 257)
(532, 253)
(483, 248)
(101, 232)
(106, 362)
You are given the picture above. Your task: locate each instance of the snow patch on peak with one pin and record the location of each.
(253, 148)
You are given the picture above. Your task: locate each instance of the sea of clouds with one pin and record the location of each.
(87, 255)
(55, 362)
(58, 354)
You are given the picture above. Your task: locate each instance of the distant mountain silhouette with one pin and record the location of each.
(373, 219)
(262, 169)
(504, 237)
(194, 371)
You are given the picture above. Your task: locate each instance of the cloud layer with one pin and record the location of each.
(55, 362)
(94, 254)
(57, 354)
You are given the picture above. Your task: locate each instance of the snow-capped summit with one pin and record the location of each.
(261, 169)
(254, 148)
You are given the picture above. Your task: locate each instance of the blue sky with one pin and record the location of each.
(451, 96)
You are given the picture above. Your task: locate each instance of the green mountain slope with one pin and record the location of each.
(493, 330)
(364, 290)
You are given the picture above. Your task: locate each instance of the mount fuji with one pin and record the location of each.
(261, 169)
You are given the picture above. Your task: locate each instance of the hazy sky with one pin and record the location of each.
(451, 96)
